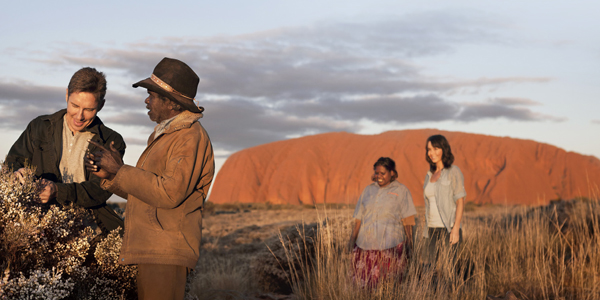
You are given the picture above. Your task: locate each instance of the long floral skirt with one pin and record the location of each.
(372, 266)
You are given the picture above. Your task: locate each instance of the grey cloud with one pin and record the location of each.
(381, 109)
(130, 118)
(328, 58)
(240, 123)
(409, 35)
(513, 101)
(596, 122)
(22, 101)
(30, 93)
(476, 111)
(295, 81)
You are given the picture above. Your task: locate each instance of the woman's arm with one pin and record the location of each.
(354, 235)
(459, 194)
(455, 233)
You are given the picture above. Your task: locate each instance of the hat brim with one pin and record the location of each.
(185, 103)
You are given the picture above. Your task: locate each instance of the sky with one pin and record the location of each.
(274, 70)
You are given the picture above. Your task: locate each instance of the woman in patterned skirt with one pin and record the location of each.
(382, 231)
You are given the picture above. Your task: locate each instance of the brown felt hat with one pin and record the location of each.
(174, 79)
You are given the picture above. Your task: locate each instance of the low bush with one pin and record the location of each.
(48, 252)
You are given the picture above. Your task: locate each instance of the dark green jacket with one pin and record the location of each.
(40, 145)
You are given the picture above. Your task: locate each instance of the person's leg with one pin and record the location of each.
(436, 241)
(161, 282)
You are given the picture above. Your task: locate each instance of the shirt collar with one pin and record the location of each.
(160, 128)
(392, 184)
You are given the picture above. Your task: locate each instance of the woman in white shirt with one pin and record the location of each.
(444, 193)
(382, 232)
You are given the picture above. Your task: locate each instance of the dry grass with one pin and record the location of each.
(549, 252)
(543, 253)
(234, 243)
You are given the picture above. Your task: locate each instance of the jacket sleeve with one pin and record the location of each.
(458, 184)
(178, 180)
(21, 151)
(88, 194)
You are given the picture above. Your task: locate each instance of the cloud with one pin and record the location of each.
(596, 122)
(477, 111)
(276, 84)
(514, 101)
(239, 123)
(300, 63)
(380, 109)
(22, 101)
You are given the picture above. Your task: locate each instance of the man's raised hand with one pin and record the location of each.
(104, 163)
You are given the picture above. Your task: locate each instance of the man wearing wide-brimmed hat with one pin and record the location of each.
(165, 191)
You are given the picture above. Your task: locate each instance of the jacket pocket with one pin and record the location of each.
(45, 160)
(168, 219)
(152, 218)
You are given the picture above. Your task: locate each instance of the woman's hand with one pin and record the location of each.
(454, 235)
(353, 236)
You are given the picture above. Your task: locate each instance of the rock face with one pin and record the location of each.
(335, 168)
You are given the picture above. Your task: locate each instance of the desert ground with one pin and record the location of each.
(238, 238)
(261, 251)
(234, 236)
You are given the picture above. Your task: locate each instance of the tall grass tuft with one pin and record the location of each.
(550, 252)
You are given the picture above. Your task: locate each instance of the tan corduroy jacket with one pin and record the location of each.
(165, 193)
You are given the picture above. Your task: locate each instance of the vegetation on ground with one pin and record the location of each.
(48, 251)
(545, 252)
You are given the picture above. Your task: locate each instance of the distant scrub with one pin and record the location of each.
(46, 250)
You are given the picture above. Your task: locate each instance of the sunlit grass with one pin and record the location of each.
(537, 253)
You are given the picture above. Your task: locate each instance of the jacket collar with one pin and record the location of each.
(392, 184)
(183, 120)
(57, 117)
(444, 171)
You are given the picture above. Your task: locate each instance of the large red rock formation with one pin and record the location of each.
(335, 167)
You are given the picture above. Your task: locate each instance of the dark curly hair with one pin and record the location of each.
(439, 141)
(389, 164)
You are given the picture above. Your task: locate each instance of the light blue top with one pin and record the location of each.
(450, 187)
(381, 210)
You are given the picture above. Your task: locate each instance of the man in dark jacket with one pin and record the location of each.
(56, 144)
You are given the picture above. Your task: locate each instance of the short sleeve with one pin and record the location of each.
(407, 204)
(458, 184)
(359, 210)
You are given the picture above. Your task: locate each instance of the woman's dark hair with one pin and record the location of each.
(439, 141)
(389, 164)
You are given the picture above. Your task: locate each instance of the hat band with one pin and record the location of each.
(168, 88)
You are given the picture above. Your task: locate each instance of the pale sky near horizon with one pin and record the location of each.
(273, 70)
